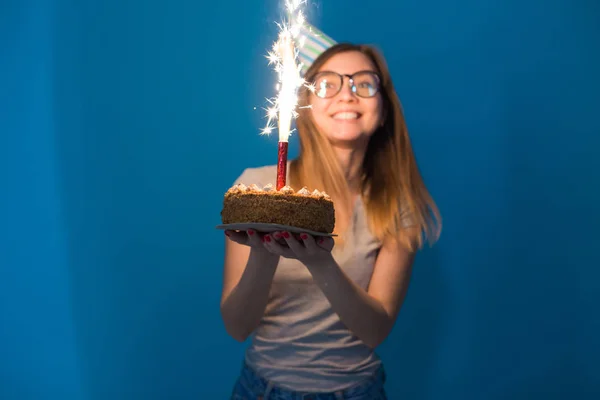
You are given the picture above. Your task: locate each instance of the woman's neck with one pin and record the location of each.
(351, 160)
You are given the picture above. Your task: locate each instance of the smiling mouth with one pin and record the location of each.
(346, 115)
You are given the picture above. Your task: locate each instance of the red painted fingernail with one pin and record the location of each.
(286, 235)
(268, 238)
(304, 236)
(250, 232)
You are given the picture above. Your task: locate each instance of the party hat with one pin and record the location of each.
(313, 42)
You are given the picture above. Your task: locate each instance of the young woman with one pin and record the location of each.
(318, 309)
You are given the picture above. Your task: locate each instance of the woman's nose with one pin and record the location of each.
(346, 92)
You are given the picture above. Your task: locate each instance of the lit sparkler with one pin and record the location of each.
(283, 106)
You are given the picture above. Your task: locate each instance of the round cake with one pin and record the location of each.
(302, 209)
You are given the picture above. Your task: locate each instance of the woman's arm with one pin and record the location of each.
(247, 276)
(370, 314)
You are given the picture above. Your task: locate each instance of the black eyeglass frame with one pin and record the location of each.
(350, 82)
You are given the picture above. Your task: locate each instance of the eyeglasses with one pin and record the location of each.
(363, 83)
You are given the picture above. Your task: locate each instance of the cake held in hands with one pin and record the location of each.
(303, 209)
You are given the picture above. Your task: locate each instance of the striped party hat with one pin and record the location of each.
(312, 42)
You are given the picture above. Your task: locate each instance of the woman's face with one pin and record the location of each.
(346, 118)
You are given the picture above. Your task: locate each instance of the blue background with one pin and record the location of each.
(122, 123)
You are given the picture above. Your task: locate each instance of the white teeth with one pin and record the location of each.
(346, 115)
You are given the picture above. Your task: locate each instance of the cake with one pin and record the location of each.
(303, 209)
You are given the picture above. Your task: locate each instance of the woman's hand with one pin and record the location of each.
(251, 238)
(303, 247)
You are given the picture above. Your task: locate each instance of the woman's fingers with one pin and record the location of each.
(315, 245)
(254, 238)
(237, 236)
(275, 247)
(309, 243)
(295, 243)
(326, 243)
(248, 238)
(299, 244)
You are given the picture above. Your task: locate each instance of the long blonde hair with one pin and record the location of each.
(397, 203)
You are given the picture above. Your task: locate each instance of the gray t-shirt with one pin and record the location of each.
(301, 344)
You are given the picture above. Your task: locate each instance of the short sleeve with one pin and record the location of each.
(259, 176)
(243, 178)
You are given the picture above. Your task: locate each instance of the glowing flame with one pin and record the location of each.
(284, 56)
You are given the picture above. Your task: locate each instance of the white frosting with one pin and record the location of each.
(304, 191)
(318, 194)
(286, 190)
(239, 188)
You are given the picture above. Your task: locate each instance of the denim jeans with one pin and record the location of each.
(250, 386)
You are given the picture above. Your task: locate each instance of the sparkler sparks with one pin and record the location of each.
(290, 46)
(284, 58)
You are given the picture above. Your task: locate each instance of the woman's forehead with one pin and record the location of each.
(348, 63)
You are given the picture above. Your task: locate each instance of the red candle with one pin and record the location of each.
(282, 164)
